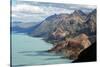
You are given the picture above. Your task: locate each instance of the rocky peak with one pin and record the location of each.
(79, 13)
(51, 17)
(93, 13)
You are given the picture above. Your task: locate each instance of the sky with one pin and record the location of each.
(32, 11)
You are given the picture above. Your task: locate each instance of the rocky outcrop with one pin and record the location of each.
(58, 47)
(72, 47)
(59, 34)
(84, 39)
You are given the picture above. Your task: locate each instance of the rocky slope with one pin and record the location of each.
(71, 48)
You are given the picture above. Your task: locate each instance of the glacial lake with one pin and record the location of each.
(29, 51)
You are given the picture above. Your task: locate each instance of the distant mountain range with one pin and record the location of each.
(60, 25)
(21, 27)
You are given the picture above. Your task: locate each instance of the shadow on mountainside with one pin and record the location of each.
(88, 55)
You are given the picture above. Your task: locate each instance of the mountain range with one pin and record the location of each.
(60, 25)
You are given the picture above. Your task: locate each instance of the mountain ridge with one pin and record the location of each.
(71, 23)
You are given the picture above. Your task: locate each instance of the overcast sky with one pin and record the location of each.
(31, 11)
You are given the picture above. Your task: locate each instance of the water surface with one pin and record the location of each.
(27, 51)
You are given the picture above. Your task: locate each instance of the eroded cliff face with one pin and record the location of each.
(76, 45)
(71, 48)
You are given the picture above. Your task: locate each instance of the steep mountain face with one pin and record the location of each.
(78, 14)
(49, 25)
(92, 21)
(64, 24)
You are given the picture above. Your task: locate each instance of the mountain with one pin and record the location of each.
(58, 26)
(71, 23)
(79, 14)
(49, 25)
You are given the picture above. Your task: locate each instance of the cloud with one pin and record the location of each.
(28, 9)
(38, 11)
(57, 10)
(26, 13)
(90, 6)
(62, 5)
(28, 18)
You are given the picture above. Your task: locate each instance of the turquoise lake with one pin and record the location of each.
(29, 51)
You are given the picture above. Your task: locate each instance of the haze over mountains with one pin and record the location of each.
(20, 27)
